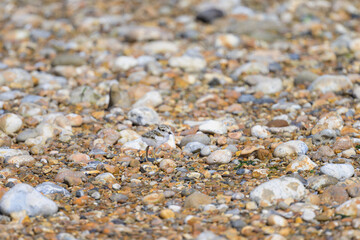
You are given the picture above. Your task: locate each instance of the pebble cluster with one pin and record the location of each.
(263, 98)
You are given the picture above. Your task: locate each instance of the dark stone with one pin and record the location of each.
(209, 15)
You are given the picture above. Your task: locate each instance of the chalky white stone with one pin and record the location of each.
(294, 147)
(280, 188)
(10, 123)
(339, 171)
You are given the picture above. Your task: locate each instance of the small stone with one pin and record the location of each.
(266, 85)
(333, 194)
(251, 205)
(154, 198)
(281, 188)
(349, 208)
(48, 188)
(343, 143)
(72, 178)
(10, 123)
(320, 182)
(80, 158)
(354, 190)
(329, 121)
(260, 131)
(339, 171)
(209, 15)
(150, 99)
(331, 83)
(118, 197)
(219, 157)
(167, 213)
(302, 163)
(124, 63)
(24, 197)
(68, 59)
(277, 123)
(201, 138)
(188, 63)
(308, 215)
(213, 127)
(324, 137)
(276, 220)
(143, 116)
(167, 165)
(196, 199)
(105, 178)
(17, 78)
(20, 160)
(323, 152)
(290, 148)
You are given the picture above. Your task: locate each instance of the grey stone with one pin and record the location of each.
(143, 116)
(201, 138)
(48, 188)
(24, 197)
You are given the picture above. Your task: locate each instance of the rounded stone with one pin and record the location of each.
(143, 116)
(219, 157)
(213, 127)
(290, 148)
(197, 199)
(276, 220)
(48, 188)
(201, 138)
(338, 171)
(24, 197)
(154, 198)
(281, 188)
(331, 83)
(260, 131)
(302, 163)
(10, 123)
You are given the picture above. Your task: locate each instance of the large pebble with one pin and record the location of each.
(281, 188)
(193, 147)
(251, 68)
(20, 160)
(290, 148)
(331, 120)
(331, 83)
(17, 78)
(137, 144)
(260, 131)
(302, 163)
(321, 182)
(219, 157)
(150, 99)
(188, 63)
(349, 208)
(124, 63)
(143, 116)
(24, 197)
(324, 137)
(201, 138)
(68, 59)
(49, 188)
(213, 127)
(8, 152)
(10, 123)
(267, 85)
(339, 171)
(197, 199)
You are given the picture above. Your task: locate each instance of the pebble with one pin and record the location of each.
(24, 197)
(118, 197)
(331, 83)
(105, 178)
(196, 199)
(324, 137)
(305, 77)
(193, 147)
(338, 171)
(143, 116)
(124, 63)
(260, 131)
(17, 78)
(276, 220)
(290, 148)
(20, 160)
(320, 182)
(154, 198)
(302, 163)
(213, 127)
(267, 85)
(219, 157)
(188, 63)
(349, 208)
(167, 213)
(201, 138)
(209, 15)
(10, 123)
(48, 188)
(150, 99)
(282, 188)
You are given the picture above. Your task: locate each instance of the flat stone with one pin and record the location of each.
(331, 83)
(302, 163)
(48, 188)
(290, 148)
(143, 116)
(213, 127)
(201, 138)
(321, 182)
(219, 157)
(197, 199)
(350, 208)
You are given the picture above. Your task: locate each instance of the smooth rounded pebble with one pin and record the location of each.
(295, 147)
(331, 83)
(143, 116)
(267, 85)
(150, 99)
(48, 188)
(10, 123)
(219, 157)
(25, 197)
(280, 188)
(200, 137)
(213, 127)
(349, 208)
(260, 131)
(302, 163)
(188, 63)
(20, 160)
(197, 199)
(124, 63)
(339, 171)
